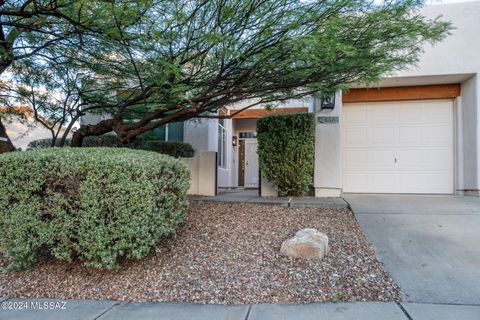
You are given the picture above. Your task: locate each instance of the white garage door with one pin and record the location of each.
(398, 147)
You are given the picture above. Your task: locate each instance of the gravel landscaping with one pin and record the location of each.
(228, 254)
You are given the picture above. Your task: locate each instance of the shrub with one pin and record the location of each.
(94, 205)
(106, 140)
(286, 148)
(44, 143)
(175, 149)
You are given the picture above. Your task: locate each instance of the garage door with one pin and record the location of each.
(398, 147)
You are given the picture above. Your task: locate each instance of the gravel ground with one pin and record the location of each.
(228, 254)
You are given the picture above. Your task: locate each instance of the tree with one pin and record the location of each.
(53, 90)
(49, 29)
(186, 59)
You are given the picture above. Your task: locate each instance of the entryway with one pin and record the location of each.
(248, 162)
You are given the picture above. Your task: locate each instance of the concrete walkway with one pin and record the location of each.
(251, 196)
(429, 244)
(110, 310)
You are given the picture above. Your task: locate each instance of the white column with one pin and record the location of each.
(328, 162)
(471, 136)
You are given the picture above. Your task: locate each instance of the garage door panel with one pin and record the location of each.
(421, 182)
(437, 111)
(356, 182)
(409, 135)
(355, 136)
(356, 116)
(398, 147)
(378, 115)
(382, 159)
(383, 183)
(438, 134)
(425, 159)
(433, 111)
(382, 135)
(356, 159)
(429, 135)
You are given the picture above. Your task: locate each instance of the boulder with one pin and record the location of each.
(307, 243)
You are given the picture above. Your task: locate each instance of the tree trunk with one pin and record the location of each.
(102, 127)
(77, 139)
(67, 131)
(6, 144)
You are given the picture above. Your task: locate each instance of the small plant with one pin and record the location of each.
(339, 297)
(286, 148)
(95, 205)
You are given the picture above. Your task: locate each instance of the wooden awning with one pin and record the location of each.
(259, 113)
(427, 92)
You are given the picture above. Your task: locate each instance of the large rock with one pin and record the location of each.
(306, 244)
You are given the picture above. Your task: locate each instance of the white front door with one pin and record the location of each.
(398, 147)
(251, 163)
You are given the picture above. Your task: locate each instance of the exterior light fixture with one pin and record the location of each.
(234, 141)
(327, 102)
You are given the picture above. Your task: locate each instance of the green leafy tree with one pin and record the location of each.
(172, 60)
(44, 30)
(185, 59)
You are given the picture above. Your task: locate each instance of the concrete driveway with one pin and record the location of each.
(429, 244)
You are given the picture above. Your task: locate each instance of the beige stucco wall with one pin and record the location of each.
(203, 173)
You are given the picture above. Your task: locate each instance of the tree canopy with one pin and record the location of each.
(173, 60)
(49, 30)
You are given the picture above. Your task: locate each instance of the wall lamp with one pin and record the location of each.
(327, 102)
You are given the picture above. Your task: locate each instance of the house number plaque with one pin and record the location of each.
(327, 120)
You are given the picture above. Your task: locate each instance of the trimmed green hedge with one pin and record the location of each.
(175, 149)
(106, 140)
(286, 149)
(44, 143)
(94, 205)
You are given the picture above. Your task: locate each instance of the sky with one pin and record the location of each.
(439, 1)
(448, 1)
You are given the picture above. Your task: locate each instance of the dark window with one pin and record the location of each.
(169, 132)
(175, 131)
(247, 135)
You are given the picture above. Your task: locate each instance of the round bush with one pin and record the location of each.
(95, 205)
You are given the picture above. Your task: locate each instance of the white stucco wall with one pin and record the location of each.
(454, 60)
(201, 134)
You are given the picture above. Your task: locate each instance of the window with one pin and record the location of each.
(169, 132)
(248, 135)
(175, 131)
(222, 144)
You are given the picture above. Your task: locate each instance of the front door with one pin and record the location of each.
(251, 163)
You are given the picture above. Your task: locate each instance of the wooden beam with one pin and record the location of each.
(428, 92)
(259, 113)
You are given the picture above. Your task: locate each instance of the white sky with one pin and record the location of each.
(428, 2)
(447, 1)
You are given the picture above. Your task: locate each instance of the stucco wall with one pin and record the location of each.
(454, 60)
